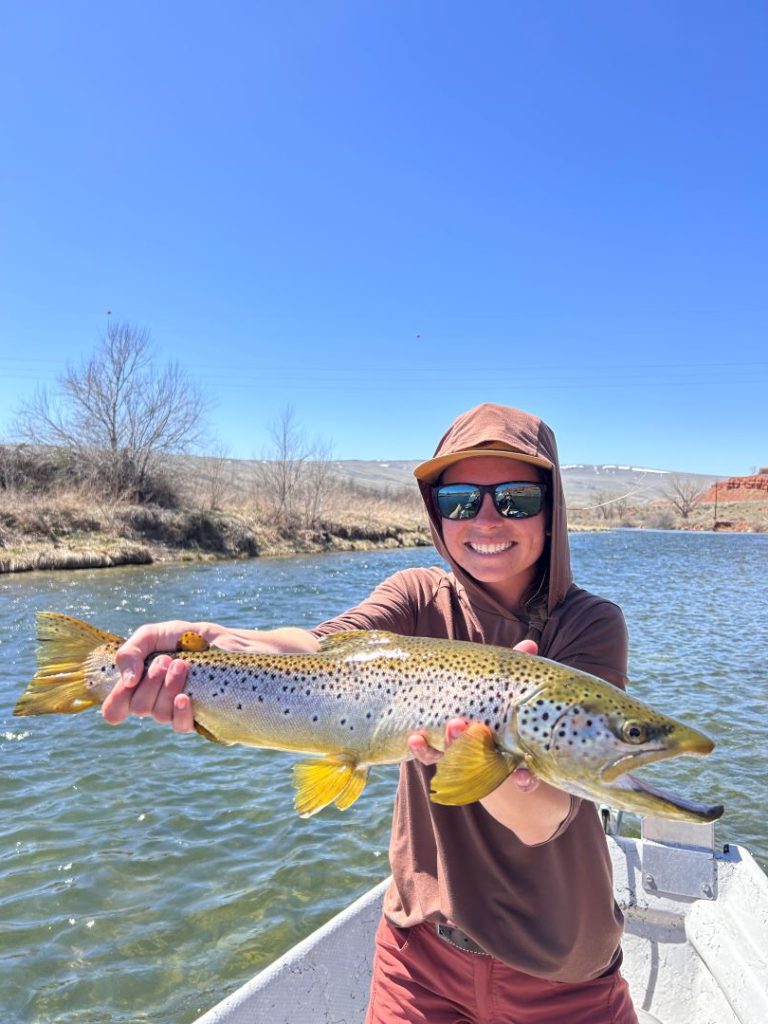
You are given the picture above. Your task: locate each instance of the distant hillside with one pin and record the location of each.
(583, 483)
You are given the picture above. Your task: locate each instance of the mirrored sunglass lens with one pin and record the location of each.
(518, 502)
(458, 502)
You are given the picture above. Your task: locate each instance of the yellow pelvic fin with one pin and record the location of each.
(59, 685)
(327, 780)
(191, 641)
(208, 735)
(471, 767)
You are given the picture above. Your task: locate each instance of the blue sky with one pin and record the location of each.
(382, 213)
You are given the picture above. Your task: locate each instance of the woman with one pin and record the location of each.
(501, 910)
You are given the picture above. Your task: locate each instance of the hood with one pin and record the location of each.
(499, 430)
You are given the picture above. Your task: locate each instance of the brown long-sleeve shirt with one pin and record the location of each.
(547, 910)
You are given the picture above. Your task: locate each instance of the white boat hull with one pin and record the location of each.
(687, 960)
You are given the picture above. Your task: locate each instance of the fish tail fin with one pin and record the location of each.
(471, 768)
(327, 780)
(59, 685)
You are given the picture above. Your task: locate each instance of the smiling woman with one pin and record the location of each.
(499, 551)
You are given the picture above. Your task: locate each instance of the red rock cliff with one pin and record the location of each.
(739, 488)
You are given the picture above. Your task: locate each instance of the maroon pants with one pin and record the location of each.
(418, 978)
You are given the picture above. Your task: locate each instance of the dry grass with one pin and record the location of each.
(76, 530)
(71, 530)
(734, 517)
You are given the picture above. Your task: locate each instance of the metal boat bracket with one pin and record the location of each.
(678, 859)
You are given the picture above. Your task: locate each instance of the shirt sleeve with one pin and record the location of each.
(390, 606)
(593, 639)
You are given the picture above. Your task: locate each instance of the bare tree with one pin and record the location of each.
(296, 476)
(684, 493)
(603, 504)
(319, 483)
(117, 414)
(217, 483)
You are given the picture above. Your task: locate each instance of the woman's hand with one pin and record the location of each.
(423, 752)
(158, 691)
(535, 818)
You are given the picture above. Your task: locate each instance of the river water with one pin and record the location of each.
(145, 875)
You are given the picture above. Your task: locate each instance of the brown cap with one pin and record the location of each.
(430, 470)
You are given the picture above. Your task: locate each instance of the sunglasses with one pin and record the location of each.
(514, 500)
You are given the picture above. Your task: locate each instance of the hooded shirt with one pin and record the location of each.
(547, 909)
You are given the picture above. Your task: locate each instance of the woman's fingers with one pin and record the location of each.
(147, 640)
(156, 696)
(130, 664)
(117, 705)
(172, 685)
(183, 720)
(137, 692)
(145, 695)
(421, 750)
(454, 728)
(419, 746)
(525, 780)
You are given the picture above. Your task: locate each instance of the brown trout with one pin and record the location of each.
(355, 702)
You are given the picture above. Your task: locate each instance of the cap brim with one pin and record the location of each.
(430, 470)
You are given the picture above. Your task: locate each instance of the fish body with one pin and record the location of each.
(355, 702)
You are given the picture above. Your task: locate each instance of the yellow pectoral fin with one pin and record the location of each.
(471, 767)
(325, 781)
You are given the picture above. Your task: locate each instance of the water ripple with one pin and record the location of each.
(145, 874)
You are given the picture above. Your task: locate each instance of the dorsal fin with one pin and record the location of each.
(354, 641)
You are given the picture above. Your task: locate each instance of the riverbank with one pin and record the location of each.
(70, 533)
(74, 532)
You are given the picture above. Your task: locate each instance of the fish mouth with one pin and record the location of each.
(673, 806)
(694, 743)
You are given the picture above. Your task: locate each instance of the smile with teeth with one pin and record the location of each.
(490, 549)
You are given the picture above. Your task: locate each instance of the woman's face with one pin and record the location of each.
(499, 553)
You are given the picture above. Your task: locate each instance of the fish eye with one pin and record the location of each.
(634, 732)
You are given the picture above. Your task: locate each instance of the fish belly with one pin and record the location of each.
(281, 714)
